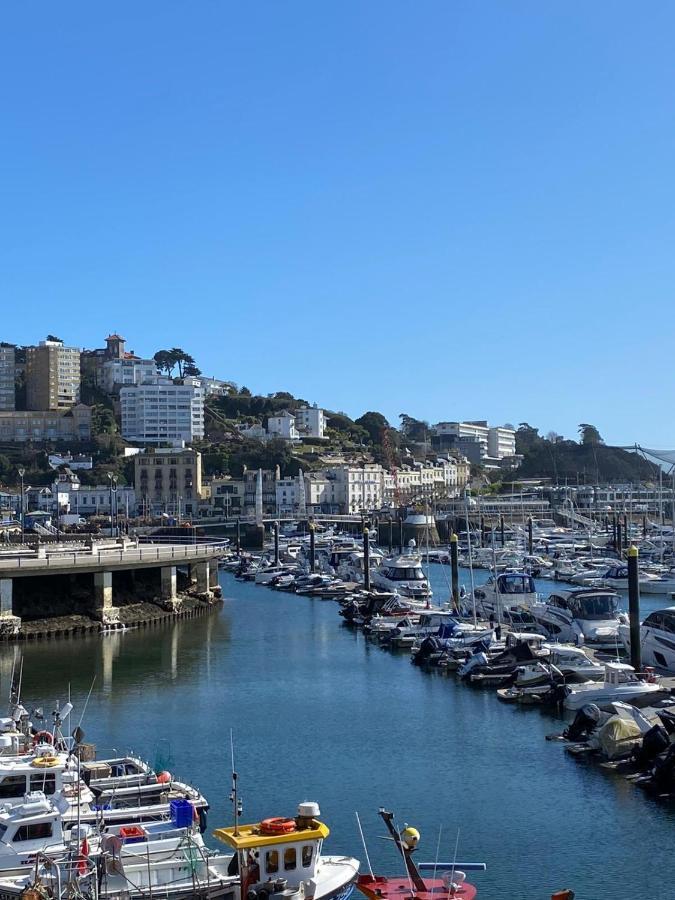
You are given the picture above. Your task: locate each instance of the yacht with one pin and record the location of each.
(620, 683)
(657, 639)
(585, 615)
(408, 633)
(403, 575)
(504, 592)
(616, 577)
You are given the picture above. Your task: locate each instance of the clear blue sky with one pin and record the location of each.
(448, 209)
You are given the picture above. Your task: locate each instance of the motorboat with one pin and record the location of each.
(454, 642)
(281, 859)
(587, 615)
(616, 577)
(657, 583)
(452, 882)
(520, 649)
(569, 664)
(403, 574)
(406, 634)
(620, 683)
(657, 639)
(505, 591)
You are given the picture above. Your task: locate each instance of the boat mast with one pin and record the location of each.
(412, 869)
(235, 800)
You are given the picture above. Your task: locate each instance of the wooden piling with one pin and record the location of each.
(634, 608)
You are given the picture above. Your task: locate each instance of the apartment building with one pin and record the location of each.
(21, 426)
(7, 375)
(310, 421)
(168, 481)
(130, 370)
(52, 376)
(161, 411)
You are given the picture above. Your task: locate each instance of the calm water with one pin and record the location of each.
(318, 713)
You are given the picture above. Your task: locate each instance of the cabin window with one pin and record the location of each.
(45, 783)
(290, 861)
(307, 854)
(33, 832)
(272, 861)
(13, 786)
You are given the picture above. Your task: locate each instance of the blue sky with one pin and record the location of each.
(448, 209)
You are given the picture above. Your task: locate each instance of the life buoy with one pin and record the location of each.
(45, 762)
(277, 825)
(44, 737)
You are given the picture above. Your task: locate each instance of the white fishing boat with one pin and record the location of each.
(588, 615)
(168, 858)
(657, 639)
(620, 683)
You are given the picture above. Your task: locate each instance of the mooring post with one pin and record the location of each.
(625, 532)
(276, 543)
(391, 535)
(454, 566)
(366, 559)
(400, 535)
(501, 528)
(619, 539)
(238, 536)
(312, 548)
(481, 525)
(530, 542)
(634, 608)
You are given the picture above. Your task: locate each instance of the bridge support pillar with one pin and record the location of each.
(200, 572)
(213, 574)
(10, 625)
(103, 599)
(167, 576)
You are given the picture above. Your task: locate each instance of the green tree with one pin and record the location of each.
(375, 424)
(590, 434)
(414, 430)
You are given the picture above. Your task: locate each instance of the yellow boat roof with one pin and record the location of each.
(249, 835)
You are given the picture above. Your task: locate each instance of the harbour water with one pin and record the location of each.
(319, 713)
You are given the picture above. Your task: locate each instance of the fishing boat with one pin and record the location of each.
(282, 858)
(589, 615)
(412, 885)
(657, 639)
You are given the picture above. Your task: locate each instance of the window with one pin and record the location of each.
(45, 783)
(33, 832)
(13, 786)
(290, 861)
(307, 854)
(272, 861)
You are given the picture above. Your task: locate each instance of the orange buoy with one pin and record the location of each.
(277, 825)
(164, 778)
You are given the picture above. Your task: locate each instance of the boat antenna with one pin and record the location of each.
(454, 864)
(86, 702)
(363, 841)
(438, 850)
(235, 800)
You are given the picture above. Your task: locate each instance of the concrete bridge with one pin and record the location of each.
(96, 569)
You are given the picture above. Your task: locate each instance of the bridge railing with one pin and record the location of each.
(147, 553)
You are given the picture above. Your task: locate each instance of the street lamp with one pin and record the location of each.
(113, 491)
(22, 472)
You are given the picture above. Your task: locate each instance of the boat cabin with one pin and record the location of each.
(617, 573)
(535, 641)
(619, 673)
(661, 620)
(28, 828)
(593, 605)
(283, 852)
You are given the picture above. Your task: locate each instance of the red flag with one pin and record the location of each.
(84, 853)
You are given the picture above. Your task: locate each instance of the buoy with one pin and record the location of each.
(410, 837)
(164, 778)
(277, 825)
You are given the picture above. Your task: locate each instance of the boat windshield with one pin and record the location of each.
(407, 573)
(516, 584)
(597, 606)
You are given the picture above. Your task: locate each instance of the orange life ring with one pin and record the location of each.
(277, 825)
(44, 737)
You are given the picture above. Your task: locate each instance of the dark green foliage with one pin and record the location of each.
(375, 424)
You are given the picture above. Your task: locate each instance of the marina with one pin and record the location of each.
(334, 689)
